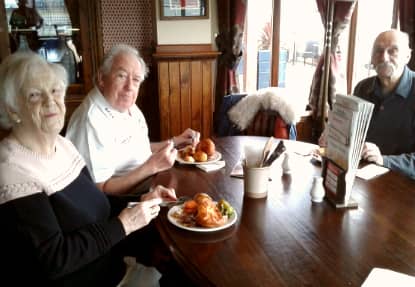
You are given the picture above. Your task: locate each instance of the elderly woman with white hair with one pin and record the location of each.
(57, 226)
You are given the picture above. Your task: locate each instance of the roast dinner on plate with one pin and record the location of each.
(203, 211)
(202, 152)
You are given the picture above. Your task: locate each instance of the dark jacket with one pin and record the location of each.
(392, 127)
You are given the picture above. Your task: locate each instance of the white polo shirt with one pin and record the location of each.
(112, 143)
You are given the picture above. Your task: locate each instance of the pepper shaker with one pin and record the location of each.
(317, 191)
(286, 168)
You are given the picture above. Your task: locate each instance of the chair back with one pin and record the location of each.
(241, 114)
(224, 126)
(269, 123)
(3, 133)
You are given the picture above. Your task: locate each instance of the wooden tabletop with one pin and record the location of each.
(286, 239)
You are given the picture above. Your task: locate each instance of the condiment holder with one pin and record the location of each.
(257, 167)
(256, 181)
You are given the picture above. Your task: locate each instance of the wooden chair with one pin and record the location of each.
(269, 123)
(264, 123)
(4, 133)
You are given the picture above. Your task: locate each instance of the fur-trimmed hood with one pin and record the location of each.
(272, 98)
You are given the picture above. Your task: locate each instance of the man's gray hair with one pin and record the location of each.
(15, 70)
(119, 49)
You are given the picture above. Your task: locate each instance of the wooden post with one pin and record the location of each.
(4, 33)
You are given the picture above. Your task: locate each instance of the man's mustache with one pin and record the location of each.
(384, 65)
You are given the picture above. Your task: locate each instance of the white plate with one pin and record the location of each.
(214, 158)
(178, 208)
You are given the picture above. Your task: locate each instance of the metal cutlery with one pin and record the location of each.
(275, 154)
(180, 200)
(266, 151)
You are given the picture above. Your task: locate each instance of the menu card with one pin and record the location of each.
(370, 171)
(346, 133)
(385, 277)
(347, 128)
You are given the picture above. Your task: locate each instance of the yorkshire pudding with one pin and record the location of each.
(208, 214)
(206, 145)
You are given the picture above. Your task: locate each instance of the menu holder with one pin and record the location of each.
(348, 123)
(338, 184)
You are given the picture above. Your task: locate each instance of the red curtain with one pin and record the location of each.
(341, 18)
(407, 24)
(231, 19)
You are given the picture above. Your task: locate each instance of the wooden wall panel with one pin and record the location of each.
(197, 96)
(164, 90)
(174, 98)
(207, 122)
(186, 98)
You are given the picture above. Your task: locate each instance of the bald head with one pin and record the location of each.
(390, 54)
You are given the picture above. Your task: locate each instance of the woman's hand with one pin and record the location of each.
(161, 192)
(371, 153)
(139, 215)
(188, 137)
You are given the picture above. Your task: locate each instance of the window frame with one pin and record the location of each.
(351, 42)
(91, 41)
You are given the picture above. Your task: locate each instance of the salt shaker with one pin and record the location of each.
(317, 191)
(286, 168)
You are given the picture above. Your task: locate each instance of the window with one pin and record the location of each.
(52, 28)
(299, 35)
(46, 28)
(366, 34)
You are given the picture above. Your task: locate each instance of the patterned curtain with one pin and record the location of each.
(231, 19)
(407, 24)
(323, 86)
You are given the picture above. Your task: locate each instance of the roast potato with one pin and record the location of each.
(200, 156)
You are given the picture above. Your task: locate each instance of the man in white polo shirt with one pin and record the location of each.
(111, 132)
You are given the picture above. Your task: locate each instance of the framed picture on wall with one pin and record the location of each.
(184, 9)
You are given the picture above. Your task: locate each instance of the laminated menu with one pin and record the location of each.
(346, 133)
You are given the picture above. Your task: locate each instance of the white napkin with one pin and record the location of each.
(208, 167)
(253, 155)
(385, 277)
(370, 171)
(237, 170)
(139, 275)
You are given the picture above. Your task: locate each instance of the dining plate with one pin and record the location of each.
(178, 209)
(214, 158)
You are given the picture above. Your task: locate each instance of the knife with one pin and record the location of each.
(180, 200)
(275, 154)
(266, 151)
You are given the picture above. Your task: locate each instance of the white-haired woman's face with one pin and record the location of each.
(42, 102)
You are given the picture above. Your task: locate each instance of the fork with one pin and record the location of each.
(179, 200)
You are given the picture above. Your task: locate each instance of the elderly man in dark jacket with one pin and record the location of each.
(391, 134)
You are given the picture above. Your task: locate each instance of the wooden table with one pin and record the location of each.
(285, 239)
